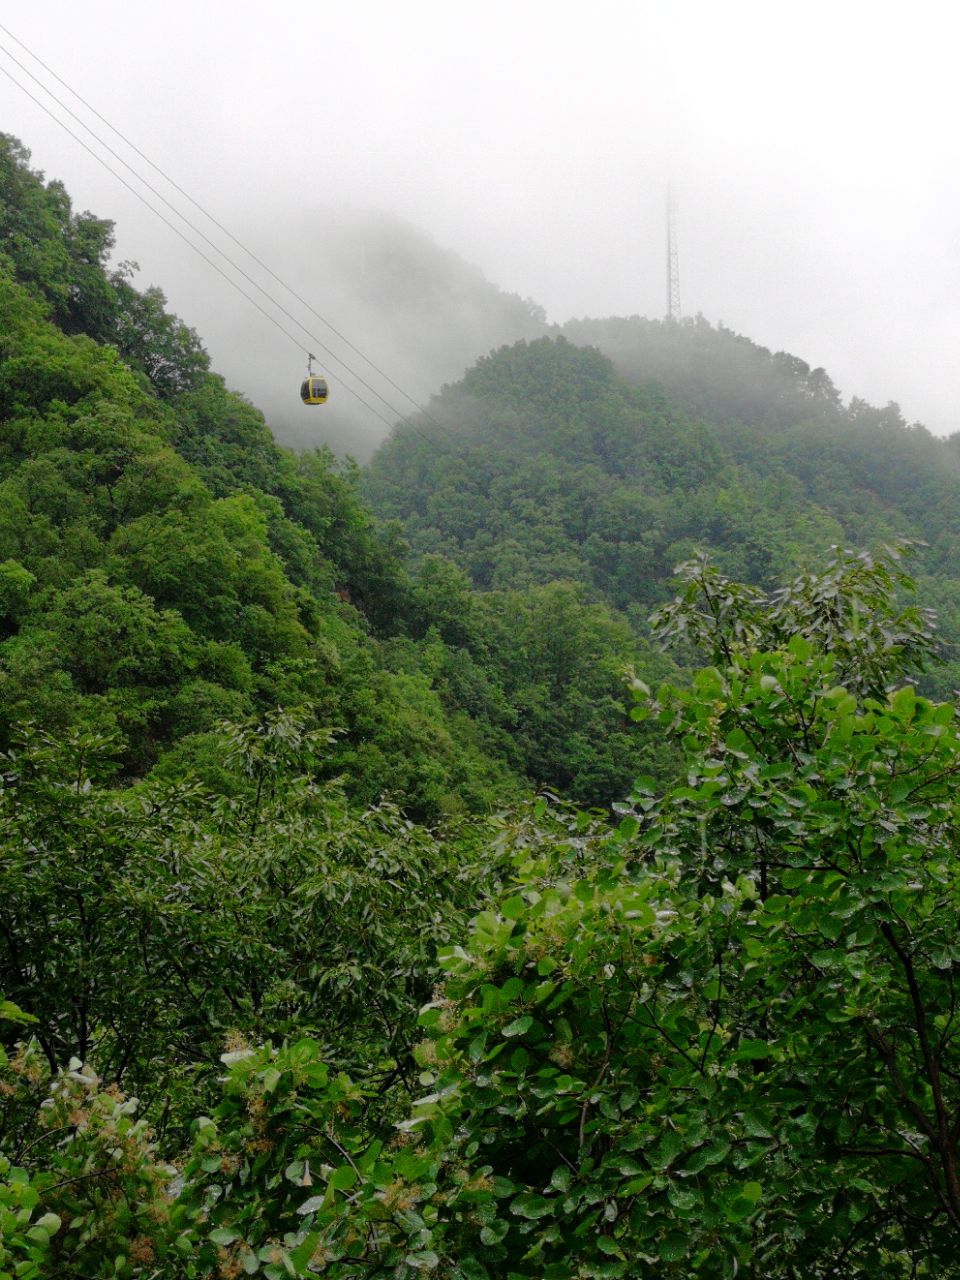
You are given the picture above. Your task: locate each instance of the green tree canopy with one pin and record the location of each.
(721, 1041)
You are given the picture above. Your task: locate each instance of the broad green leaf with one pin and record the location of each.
(530, 1205)
(519, 1026)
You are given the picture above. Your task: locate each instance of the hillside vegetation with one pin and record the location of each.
(552, 461)
(298, 975)
(165, 565)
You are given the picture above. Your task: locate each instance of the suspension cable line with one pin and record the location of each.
(176, 230)
(197, 231)
(197, 205)
(401, 417)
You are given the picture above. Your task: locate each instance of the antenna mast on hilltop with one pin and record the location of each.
(673, 267)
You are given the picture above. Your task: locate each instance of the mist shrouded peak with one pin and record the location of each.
(420, 313)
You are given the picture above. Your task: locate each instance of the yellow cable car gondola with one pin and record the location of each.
(313, 389)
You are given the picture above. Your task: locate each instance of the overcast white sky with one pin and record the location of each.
(814, 150)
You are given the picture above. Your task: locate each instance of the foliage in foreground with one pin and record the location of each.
(720, 1040)
(140, 927)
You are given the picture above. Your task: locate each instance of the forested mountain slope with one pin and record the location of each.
(165, 565)
(771, 408)
(547, 463)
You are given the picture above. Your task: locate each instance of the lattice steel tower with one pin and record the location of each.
(673, 267)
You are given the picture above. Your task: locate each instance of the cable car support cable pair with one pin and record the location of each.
(196, 204)
(314, 383)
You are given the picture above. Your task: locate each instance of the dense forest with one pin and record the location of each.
(609, 464)
(412, 870)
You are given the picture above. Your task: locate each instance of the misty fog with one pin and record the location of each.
(419, 312)
(417, 173)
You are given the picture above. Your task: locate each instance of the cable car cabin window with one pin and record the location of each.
(313, 390)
